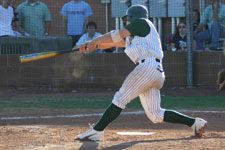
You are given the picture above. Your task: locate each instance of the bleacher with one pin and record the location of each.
(27, 45)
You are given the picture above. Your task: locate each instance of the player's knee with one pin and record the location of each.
(119, 101)
(156, 119)
(157, 116)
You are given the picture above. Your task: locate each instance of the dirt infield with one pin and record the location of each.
(59, 133)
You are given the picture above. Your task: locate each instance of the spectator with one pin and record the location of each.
(179, 38)
(18, 31)
(90, 35)
(214, 17)
(75, 15)
(34, 17)
(196, 19)
(6, 17)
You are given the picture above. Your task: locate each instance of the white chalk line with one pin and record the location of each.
(99, 114)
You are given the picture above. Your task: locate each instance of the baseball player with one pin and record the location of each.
(143, 47)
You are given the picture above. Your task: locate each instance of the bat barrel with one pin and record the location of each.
(44, 55)
(37, 56)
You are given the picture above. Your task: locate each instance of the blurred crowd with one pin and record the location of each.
(33, 18)
(207, 29)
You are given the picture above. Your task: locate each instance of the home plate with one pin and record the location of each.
(135, 133)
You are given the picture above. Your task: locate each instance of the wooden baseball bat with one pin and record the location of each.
(44, 55)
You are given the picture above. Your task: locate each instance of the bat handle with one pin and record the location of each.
(86, 46)
(95, 46)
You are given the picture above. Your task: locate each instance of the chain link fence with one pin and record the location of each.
(57, 20)
(29, 26)
(69, 18)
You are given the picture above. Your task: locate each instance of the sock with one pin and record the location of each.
(111, 113)
(176, 117)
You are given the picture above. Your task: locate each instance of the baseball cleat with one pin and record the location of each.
(199, 127)
(91, 135)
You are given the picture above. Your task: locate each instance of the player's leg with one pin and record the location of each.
(197, 124)
(135, 83)
(113, 110)
(96, 133)
(151, 100)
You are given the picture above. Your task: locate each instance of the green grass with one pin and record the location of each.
(176, 102)
(193, 102)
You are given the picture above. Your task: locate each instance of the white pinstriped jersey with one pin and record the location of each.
(148, 76)
(138, 48)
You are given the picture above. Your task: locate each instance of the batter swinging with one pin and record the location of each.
(143, 47)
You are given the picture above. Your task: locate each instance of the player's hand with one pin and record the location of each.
(88, 47)
(92, 45)
(83, 48)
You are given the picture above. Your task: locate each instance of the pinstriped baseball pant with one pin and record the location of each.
(144, 81)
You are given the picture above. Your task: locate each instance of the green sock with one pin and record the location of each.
(176, 117)
(111, 113)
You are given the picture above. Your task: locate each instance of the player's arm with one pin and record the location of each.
(138, 27)
(111, 39)
(110, 45)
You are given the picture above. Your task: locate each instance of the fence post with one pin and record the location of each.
(189, 26)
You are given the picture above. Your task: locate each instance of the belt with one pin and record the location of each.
(143, 60)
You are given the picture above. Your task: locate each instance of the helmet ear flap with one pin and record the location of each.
(124, 19)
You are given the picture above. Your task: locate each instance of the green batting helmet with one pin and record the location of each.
(135, 12)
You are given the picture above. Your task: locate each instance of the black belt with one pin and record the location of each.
(143, 60)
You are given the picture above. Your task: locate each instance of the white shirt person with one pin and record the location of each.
(6, 17)
(90, 35)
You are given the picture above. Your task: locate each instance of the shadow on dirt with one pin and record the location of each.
(94, 146)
